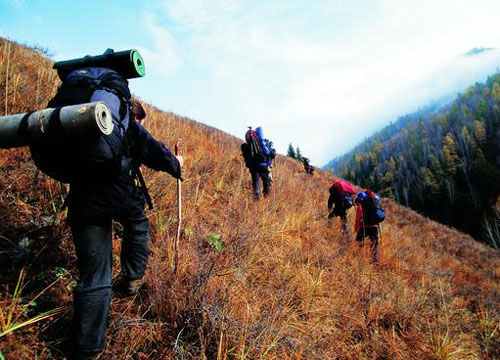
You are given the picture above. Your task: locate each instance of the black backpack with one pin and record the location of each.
(251, 149)
(346, 200)
(98, 159)
(342, 202)
(373, 214)
(254, 146)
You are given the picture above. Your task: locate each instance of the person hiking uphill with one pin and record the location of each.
(369, 215)
(307, 166)
(96, 199)
(258, 154)
(340, 201)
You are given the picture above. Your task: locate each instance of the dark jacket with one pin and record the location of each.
(94, 201)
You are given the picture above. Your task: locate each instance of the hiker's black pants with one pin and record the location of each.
(372, 233)
(92, 294)
(263, 173)
(342, 214)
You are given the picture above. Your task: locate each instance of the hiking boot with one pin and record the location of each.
(128, 287)
(133, 287)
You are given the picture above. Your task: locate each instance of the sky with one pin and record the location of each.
(322, 75)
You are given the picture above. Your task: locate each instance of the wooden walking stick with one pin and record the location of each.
(179, 215)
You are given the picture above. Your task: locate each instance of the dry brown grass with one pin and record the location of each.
(286, 284)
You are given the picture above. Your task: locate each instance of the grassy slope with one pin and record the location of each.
(286, 284)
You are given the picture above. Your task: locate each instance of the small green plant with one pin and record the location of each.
(216, 241)
(12, 312)
(218, 186)
(59, 271)
(188, 231)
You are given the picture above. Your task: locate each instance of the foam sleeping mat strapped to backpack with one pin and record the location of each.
(78, 122)
(128, 63)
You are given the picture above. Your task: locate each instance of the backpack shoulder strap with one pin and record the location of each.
(117, 85)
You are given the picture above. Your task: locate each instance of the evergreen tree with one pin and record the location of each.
(291, 152)
(298, 154)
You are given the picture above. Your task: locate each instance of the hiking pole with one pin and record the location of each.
(380, 237)
(179, 214)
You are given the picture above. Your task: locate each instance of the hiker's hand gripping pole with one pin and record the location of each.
(179, 214)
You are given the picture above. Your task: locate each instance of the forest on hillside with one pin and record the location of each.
(444, 164)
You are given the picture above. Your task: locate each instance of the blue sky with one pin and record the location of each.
(319, 74)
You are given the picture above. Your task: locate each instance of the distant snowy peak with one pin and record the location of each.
(478, 51)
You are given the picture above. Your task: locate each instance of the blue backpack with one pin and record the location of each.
(373, 214)
(99, 159)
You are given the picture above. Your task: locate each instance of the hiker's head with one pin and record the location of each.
(370, 194)
(137, 110)
(361, 196)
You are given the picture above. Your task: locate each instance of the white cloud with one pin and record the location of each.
(163, 57)
(322, 75)
(15, 3)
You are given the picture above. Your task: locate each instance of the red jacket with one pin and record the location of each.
(359, 219)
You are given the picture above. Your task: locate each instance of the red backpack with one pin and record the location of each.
(345, 191)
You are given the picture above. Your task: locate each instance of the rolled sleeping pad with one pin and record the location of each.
(128, 63)
(76, 122)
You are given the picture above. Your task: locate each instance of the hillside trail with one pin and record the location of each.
(272, 279)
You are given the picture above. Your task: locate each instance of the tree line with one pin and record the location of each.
(294, 153)
(444, 164)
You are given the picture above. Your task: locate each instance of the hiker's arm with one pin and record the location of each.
(244, 153)
(331, 200)
(154, 154)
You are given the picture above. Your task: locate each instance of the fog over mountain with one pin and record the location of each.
(432, 90)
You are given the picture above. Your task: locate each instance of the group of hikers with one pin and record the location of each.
(106, 185)
(259, 155)
(369, 212)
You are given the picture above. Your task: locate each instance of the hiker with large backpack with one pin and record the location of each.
(340, 201)
(258, 154)
(104, 174)
(369, 215)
